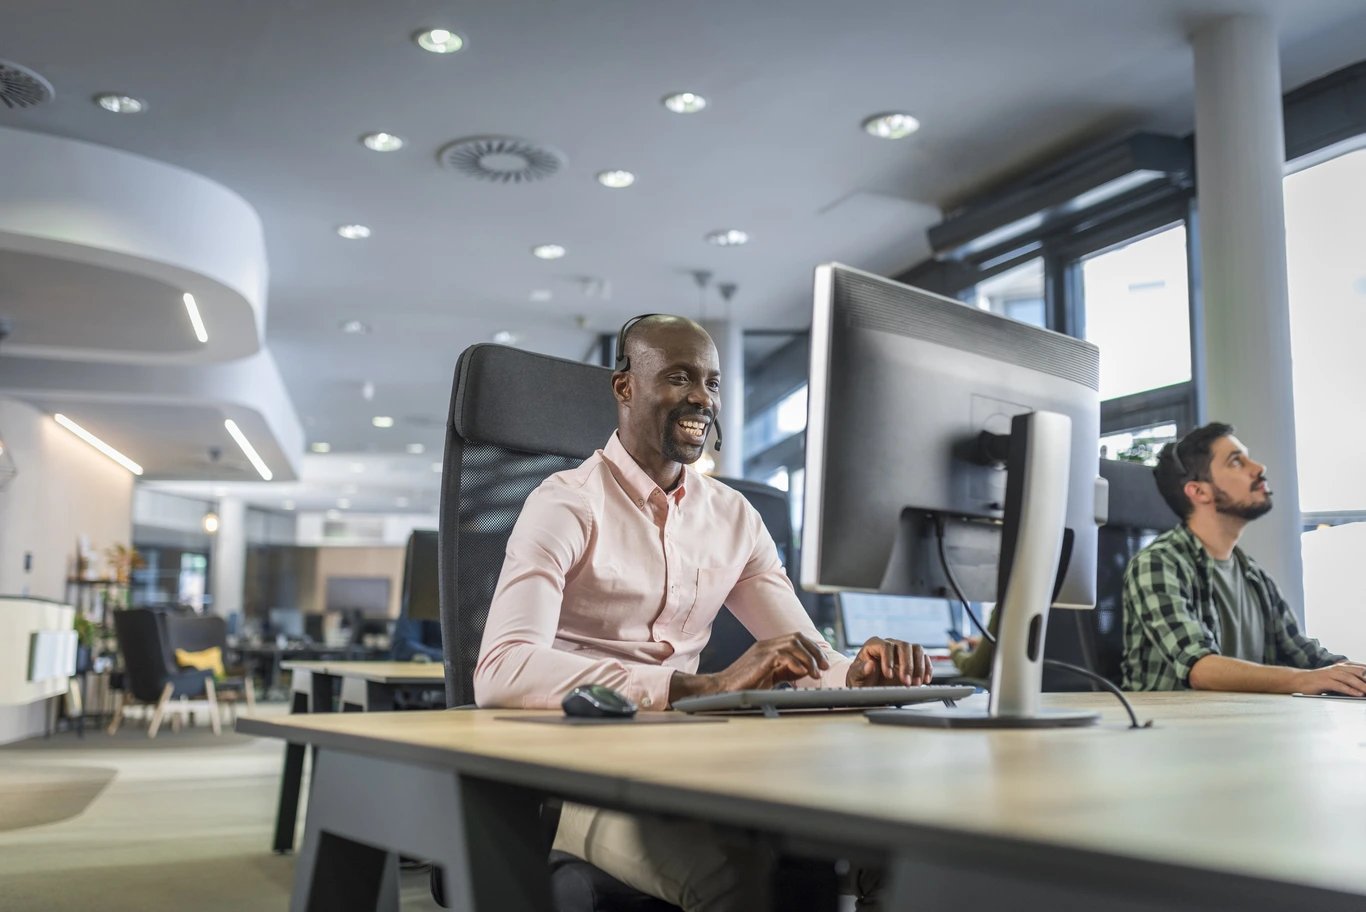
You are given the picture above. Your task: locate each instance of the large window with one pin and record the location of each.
(1137, 309)
(1325, 213)
(1017, 293)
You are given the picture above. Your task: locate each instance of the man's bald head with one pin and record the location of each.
(668, 391)
(657, 332)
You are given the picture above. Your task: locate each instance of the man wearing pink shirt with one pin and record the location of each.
(614, 574)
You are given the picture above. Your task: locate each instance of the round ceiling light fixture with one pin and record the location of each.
(616, 180)
(382, 142)
(728, 237)
(439, 41)
(382, 421)
(354, 232)
(685, 102)
(120, 104)
(541, 295)
(501, 159)
(354, 327)
(321, 447)
(891, 125)
(210, 522)
(549, 251)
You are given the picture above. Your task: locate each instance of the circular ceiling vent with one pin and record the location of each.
(501, 159)
(20, 87)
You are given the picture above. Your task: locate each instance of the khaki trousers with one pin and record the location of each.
(696, 866)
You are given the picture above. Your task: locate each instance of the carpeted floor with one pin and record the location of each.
(124, 823)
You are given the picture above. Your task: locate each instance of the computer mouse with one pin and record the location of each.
(594, 701)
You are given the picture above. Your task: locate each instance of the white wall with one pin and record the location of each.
(63, 489)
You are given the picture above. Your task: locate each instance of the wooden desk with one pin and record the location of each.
(1230, 802)
(365, 687)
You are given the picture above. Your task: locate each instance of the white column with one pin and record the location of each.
(730, 347)
(229, 557)
(1240, 164)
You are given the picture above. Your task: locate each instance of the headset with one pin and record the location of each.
(1170, 453)
(624, 362)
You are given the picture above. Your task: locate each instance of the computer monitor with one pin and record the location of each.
(926, 621)
(421, 596)
(366, 595)
(933, 424)
(287, 621)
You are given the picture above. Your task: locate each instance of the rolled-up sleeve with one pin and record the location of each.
(1155, 593)
(518, 665)
(765, 602)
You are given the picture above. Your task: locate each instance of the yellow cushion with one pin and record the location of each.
(210, 659)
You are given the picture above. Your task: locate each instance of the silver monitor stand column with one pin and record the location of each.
(1036, 499)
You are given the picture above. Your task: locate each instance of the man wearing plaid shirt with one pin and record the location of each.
(1200, 613)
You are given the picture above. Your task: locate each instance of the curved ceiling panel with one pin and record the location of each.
(97, 247)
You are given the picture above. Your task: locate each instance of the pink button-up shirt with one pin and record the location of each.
(610, 580)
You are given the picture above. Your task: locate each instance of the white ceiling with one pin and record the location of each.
(269, 100)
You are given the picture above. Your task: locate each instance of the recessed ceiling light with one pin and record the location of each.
(252, 456)
(99, 444)
(196, 321)
(541, 294)
(367, 390)
(354, 232)
(354, 327)
(503, 337)
(549, 251)
(382, 142)
(416, 449)
(382, 421)
(321, 447)
(357, 468)
(439, 41)
(120, 104)
(287, 505)
(616, 180)
(685, 102)
(343, 503)
(400, 501)
(436, 467)
(333, 514)
(728, 237)
(892, 125)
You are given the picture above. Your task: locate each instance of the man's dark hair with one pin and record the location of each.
(1187, 459)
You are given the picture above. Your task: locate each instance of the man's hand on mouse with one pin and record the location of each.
(786, 658)
(893, 663)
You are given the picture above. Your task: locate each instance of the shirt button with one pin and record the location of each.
(647, 702)
(640, 501)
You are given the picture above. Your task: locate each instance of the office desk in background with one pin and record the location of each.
(364, 687)
(1230, 802)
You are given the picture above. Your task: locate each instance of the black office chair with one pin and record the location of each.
(1095, 639)
(150, 673)
(515, 419)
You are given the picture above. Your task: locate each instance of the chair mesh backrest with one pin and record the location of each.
(142, 642)
(516, 418)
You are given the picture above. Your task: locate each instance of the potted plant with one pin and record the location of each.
(86, 632)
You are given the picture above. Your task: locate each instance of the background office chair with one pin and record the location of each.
(197, 632)
(150, 673)
(516, 418)
(1095, 639)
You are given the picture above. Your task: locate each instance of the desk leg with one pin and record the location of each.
(485, 835)
(358, 695)
(310, 694)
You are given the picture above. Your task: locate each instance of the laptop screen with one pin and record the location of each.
(915, 620)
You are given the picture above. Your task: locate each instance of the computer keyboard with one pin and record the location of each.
(772, 702)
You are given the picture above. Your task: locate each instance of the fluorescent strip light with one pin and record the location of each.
(200, 332)
(247, 448)
(97, 443)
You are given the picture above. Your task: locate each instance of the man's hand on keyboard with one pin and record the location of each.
(889, 663)
(768, 662)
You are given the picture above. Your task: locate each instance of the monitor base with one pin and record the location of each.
(980, 718)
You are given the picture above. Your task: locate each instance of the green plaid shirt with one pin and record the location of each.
(1170, 622)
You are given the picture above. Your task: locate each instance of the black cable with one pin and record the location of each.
(953, 581)
(1053, 663)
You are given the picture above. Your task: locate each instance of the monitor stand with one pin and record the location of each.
(1038, 466)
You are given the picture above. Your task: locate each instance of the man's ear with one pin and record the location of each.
(621, 386)
(1197, 493)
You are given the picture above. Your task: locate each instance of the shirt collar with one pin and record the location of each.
(634, 480)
